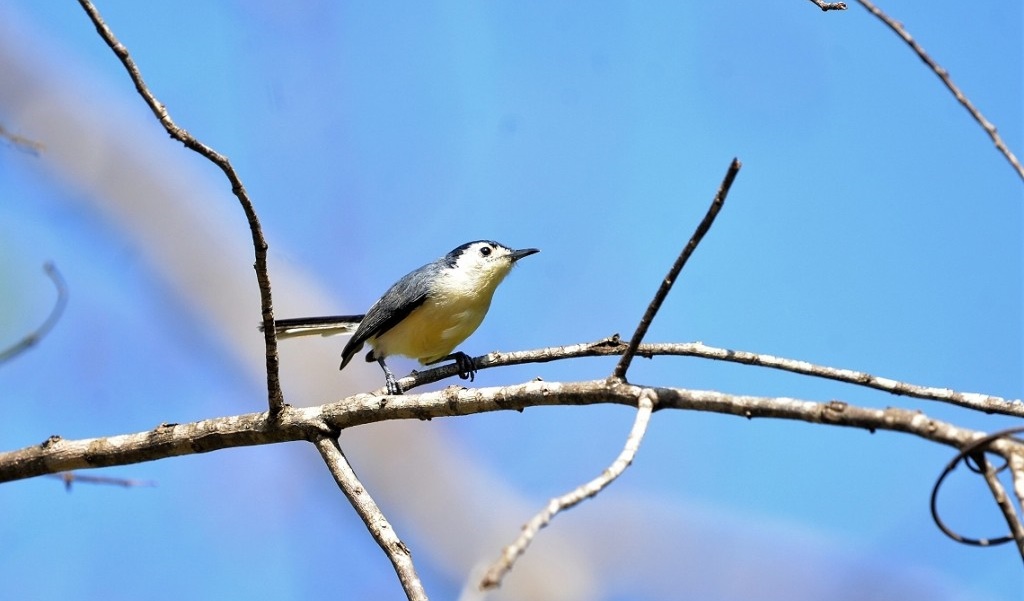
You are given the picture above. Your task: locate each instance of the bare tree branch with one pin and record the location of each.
(645, 404)
(308, 423)
(21, 142)
(496, 573)
(898, 28)
(673, 273)
(1005, 504)
(69, 478)
(275, 396)
(51, 320)
(372, 516)
(1016, 464)
(827, 6)
(614, 345)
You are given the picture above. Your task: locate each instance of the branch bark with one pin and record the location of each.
(943, 74)
(372, 516)
(170, 440)
(500, 568)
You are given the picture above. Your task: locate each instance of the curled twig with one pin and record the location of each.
(975, 451)
(275, 396)
(51, 320)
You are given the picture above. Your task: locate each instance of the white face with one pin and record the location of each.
(482, 265)
(484, 255)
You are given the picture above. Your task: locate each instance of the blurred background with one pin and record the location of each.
(873, 227)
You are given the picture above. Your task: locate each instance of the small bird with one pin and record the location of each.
(424, 315)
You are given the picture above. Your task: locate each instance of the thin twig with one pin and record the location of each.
(51, 320)
(898, 28)
(21, 142)
(1004, 503)
(673, 273)
(827, 6)
(614, 346)
(275, 396)
(497, 571)
(372, 516)
(69, 478)
(1015, 461)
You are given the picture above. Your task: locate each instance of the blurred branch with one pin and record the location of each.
(70, 478)
(677, 267)
(51, 320)
(275, 396)
(372, 516)
(827, 6)
(898, 28)
(21, 142)
(615, 346)
(496, 573)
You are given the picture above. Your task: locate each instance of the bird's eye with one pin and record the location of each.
(486, 251)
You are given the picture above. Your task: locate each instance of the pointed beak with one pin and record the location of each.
(519, 254)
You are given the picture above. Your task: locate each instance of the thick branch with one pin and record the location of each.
(372, 516)
(274, 394)
(58, 455)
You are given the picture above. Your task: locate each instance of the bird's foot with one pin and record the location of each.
(467, 367)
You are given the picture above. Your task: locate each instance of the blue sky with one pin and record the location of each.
(873, 227)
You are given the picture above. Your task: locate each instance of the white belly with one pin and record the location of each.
(433, 330)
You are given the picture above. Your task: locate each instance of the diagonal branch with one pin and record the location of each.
(275, 396)
(673, 273)
(496, 573)
(372, 516)
(1004, 503)
(942, 74)
(51, 320)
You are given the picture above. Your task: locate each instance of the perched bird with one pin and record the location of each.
(424, 315)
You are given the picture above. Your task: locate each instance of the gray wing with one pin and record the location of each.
(397, 303)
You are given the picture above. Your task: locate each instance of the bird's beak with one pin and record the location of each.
(519, 254)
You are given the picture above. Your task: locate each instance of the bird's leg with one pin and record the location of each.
(389, 378)
(467, 367)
